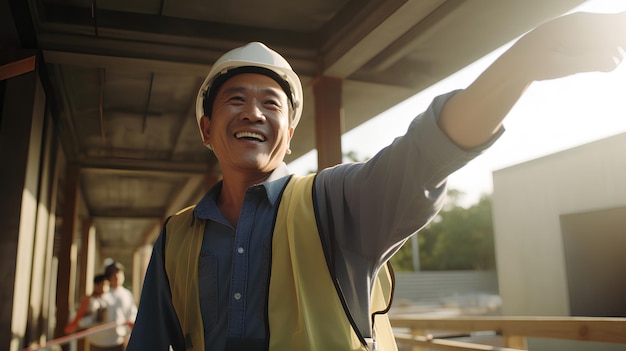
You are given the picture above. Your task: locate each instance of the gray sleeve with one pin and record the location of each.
(366, 211)
(375, 206)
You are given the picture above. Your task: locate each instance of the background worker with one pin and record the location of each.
(92, 308)
(120, 308)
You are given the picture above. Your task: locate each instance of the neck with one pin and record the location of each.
(234, 187)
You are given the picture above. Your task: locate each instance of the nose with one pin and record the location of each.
(253, 112)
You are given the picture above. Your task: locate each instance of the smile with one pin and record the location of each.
(249, 135)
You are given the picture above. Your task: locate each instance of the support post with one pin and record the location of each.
(328, 121)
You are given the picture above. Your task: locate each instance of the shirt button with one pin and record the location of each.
(240, 250)
(237, 296)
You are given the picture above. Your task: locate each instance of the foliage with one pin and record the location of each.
(457, 239)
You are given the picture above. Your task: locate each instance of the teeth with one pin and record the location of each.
(249, 135)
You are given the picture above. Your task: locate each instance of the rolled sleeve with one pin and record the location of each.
(439, 152)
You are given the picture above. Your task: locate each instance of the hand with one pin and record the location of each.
(70, 328)
(576, 43)
(581, 42)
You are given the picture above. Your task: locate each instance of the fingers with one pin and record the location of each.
(610, 30)
(619, 58)
(576, 43)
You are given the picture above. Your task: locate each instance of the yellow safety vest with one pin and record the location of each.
(304, 308)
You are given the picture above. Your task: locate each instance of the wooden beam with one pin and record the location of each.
(363, 36)
(328, 121)
(18, 67)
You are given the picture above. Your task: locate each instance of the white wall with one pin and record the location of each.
(528, 201)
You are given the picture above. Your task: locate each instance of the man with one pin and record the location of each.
(91, 310)
(266, 261)
(120, 308)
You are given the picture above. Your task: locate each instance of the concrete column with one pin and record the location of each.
(44, 237)
(21, 133)
(65, 293)
(84, 269)
(48, 307)
(328, 121)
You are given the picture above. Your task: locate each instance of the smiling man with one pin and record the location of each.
(270, 261)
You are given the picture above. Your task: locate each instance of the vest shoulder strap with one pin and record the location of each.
(183, 240)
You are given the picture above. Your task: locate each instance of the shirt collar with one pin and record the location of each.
(276, 182)
(273, 186)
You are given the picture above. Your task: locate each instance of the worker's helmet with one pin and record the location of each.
(254, 57)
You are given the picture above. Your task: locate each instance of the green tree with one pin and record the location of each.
(457, 239)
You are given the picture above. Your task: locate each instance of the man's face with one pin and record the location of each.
(116, 279)
(249, 128)
(101, 288)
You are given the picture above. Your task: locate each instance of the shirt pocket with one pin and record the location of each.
(208, 289)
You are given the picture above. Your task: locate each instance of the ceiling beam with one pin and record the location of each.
(169, 174)
(139, 165)
(159, 27)
(401, 45)
(160, 57)
(360, 40)
(140, 65)
(127, 213)
(121, 34)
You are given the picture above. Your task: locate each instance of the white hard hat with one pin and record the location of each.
(254, 54)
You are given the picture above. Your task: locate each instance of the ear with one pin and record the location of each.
(205, 124)
(288, 151)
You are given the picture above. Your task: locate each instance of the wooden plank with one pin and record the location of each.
(446, 345)
(17, 68)
(600, 329)
(516, 342)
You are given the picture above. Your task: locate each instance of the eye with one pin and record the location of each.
(273, 102)
(236, 99)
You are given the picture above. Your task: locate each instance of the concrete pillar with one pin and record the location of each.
(48, 308)
(65, 253)
(44, 237)
(328, 121)
(84, 268)
(21, 134)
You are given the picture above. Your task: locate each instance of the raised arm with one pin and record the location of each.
(576, 43)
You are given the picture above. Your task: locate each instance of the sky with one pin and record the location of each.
(551, 116)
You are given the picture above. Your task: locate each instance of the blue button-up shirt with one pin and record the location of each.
(234, 264)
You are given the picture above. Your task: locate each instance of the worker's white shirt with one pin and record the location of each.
(121, 308)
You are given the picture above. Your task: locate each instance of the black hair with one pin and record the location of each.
(113, 268)
(99, 278)
(214, 87)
